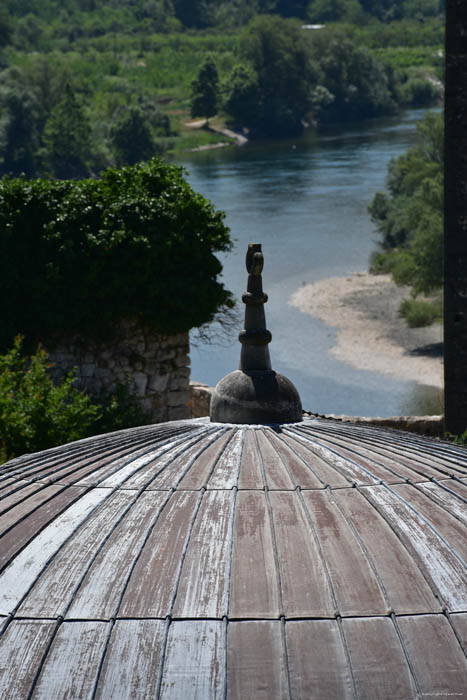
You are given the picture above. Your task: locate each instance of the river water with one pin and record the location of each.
(306, 201)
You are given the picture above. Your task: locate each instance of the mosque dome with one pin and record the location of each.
(200, 559)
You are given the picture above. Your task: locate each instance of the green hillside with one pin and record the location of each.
(78, 76)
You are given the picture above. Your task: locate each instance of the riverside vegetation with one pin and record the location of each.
(87, 84)
(409, 219)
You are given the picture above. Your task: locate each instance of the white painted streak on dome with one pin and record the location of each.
(19, 576)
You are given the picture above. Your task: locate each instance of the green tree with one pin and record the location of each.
(358, 82)
(66, 139)
(20, 124)
(6, 28)
(35, 413)
(410, 218)
(279, 88)
(205, 90)
(132, 139)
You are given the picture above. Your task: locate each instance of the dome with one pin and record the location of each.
(207, 560)
(232, 560)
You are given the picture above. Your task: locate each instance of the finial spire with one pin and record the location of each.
(255, 393)
(255, 336)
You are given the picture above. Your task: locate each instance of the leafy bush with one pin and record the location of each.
(34, 412)
(79, 256)
(418, 312)
(410, 217)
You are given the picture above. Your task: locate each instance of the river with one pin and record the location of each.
(306, 201)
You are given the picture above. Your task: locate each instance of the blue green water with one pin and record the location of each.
(306, 201)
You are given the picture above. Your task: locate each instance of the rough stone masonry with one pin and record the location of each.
(155, 367)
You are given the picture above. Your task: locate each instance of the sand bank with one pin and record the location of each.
(370, 334)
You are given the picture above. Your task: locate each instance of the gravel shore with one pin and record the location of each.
(370, 334)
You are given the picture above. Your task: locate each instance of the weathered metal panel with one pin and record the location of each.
(405, 585)
(32, 522)
(132, 662)
(390, 451)
(304, 584)
(193, 472)
(431, 553)
(396, 467)
(256, 661)
(21, 650)
(251, 474)
(194, 666)
(379, 665)
(155, 472)
(22, 491)
(100, 591)
(445, 498)
(204, 585)
(254, 586)
(23, 571)
(349, 469)
(324, 472)
(453, 531)
(318, 667)
(72, 663)
(53, 590)
(435, 654)
(459, 622)
(371, 465)
(345, 559)
(227, 467)
(275, 471)
(152, 584)
(24, 508)
(299, 470)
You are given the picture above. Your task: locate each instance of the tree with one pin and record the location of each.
(132, 139)
(36, 413)
(20, 124)
(357, 81)
(278, 93)
(66, 138)
(205, 90)
(410, 218)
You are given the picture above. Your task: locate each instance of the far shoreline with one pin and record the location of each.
(370, 334)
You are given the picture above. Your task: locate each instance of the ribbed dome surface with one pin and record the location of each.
(199, 560)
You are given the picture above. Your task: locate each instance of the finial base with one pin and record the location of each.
(255, 397)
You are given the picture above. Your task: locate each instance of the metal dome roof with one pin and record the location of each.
(205, 560)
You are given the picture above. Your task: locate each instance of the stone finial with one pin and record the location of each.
(254, 393)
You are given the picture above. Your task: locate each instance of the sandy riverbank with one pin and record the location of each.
(370, 334)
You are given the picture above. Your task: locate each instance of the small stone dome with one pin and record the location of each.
(205, 560)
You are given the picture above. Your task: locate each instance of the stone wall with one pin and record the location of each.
(156, 367)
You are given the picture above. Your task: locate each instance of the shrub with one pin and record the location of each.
(35, 413)
(418, 312)
(78, 257)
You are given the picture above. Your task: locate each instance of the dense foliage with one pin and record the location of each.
(122, 61)
(409, 218)
(276, 95)
(37, 412)
(78, 256)
(205, 90)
